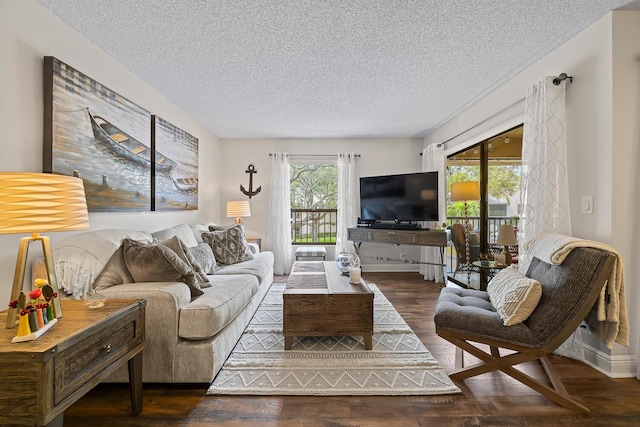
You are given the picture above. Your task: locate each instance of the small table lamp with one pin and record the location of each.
(33, 203)
(464, 192)
(506, 237)
(238, 209)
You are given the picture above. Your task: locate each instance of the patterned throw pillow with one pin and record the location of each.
(514, 295)
(221, 227)
(203, 254)
(229, 245)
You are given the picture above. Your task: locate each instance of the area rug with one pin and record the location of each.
(398, 364)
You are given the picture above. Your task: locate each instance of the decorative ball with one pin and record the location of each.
(344, 260)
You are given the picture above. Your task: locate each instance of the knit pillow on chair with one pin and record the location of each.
(514, 295)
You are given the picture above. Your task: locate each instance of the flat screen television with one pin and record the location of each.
(403, 197)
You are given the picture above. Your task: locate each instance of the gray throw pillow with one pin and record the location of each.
(178, 246)
(221, 227)
(203, 254)
(158, 263)
(229, 246)
(115, 272)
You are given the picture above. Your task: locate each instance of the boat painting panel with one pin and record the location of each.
(176, 188)
(96, 134)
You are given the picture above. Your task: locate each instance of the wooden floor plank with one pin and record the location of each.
(493, 399)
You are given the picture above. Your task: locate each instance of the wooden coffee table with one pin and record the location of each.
(320, 301)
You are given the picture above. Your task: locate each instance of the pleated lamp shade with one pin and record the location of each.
(41, 202)
(238, 209)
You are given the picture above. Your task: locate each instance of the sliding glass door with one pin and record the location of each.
(495, 164)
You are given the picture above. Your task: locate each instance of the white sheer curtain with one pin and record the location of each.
(544, 188)
(347, 201)
(433, 159)
(280, 214)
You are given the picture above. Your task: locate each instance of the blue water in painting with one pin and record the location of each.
(129, 183)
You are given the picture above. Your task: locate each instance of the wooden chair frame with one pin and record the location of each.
(494, 361)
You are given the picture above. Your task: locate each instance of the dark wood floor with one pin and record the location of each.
(489, 400)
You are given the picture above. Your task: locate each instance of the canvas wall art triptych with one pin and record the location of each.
(128, 159)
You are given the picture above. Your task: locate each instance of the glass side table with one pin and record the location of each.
(488, 269)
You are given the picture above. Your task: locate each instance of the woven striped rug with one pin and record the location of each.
(399, 363)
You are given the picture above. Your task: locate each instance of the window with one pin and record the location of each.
(314, 189)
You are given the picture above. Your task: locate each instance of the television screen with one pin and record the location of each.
(405, 197)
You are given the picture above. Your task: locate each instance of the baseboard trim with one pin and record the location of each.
(622, 366)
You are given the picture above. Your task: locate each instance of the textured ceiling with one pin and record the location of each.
(312, 68)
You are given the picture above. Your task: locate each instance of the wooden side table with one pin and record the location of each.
(257, 241)
(42, 378)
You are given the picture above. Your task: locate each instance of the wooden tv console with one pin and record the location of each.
(433, 238)
(399, 237)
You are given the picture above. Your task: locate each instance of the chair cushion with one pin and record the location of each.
(208, 314)
(514, 295)
(471, 313)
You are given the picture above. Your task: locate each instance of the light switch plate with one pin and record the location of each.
(587, 205)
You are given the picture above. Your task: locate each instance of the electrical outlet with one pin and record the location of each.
(587, 205)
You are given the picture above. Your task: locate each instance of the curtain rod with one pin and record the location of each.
(312, 155)
(562, 77)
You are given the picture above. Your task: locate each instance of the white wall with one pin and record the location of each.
(603, 136)
(625, 142)
(28, 32)
(378, 157)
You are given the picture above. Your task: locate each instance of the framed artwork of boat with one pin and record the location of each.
(100, 136)
(174, 166)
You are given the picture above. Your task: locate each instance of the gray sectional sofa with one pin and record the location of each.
(188, 337)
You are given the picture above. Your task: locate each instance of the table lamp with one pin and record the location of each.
(238, 209)
(506, 237)
(464, 192)
(34, 203)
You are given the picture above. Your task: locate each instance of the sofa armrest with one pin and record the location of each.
(162, 312)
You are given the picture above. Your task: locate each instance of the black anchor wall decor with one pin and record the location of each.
(250, 170)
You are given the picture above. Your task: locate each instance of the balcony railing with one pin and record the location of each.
(314, 226)
(319, 226)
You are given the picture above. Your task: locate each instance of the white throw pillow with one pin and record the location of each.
(514, 295)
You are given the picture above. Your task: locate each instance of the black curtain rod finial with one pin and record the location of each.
(561, 78)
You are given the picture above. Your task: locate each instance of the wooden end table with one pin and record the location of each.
(42, 378)
(320, 301)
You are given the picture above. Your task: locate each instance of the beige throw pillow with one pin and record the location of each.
(114, 273)
(514, 295)
(158, 263)
(178, 246)
(229, 245)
